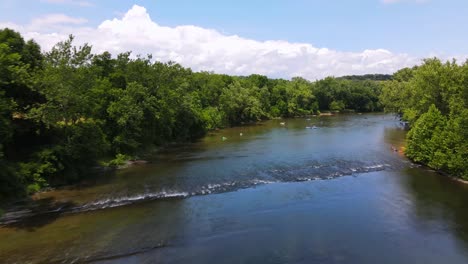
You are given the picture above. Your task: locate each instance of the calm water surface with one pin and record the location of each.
(336, 193)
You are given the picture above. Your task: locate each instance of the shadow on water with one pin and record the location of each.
(35, 214)
(439, 200)
(42, 209)
(395, 135)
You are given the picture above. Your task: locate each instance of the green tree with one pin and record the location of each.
(239, 105)
(421, 146)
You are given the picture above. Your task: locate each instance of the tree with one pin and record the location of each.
(421, 146)
(6, 128)
(239, 105)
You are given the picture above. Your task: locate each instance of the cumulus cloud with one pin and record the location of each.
(209, 50)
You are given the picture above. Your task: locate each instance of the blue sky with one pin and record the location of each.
(416, 28)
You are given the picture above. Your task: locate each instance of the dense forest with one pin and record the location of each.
(433, 99)
(68, 109)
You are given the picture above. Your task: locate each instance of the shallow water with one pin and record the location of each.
(275, 194)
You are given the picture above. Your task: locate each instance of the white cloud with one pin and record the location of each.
(56, 19)
(210, 50)
(69, 2)
(43, 27)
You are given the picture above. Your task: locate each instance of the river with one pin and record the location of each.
(324, 189)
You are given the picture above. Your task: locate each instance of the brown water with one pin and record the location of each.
(333, 193)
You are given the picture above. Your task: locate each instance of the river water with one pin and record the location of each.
(327, 189)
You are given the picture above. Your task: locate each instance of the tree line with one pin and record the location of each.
(433, 99)
(68, 109)
(372, 77)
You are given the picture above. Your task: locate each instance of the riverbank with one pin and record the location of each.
(446, 174)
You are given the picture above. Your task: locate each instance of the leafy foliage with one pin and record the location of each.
(433, 98)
